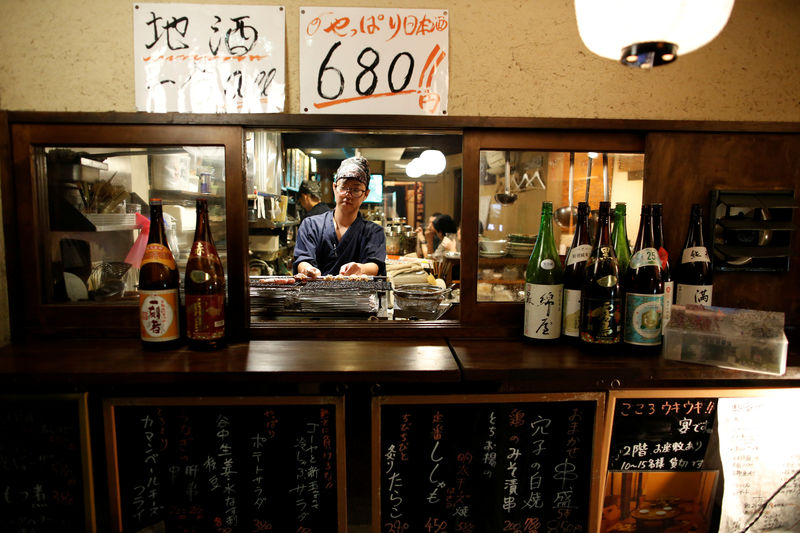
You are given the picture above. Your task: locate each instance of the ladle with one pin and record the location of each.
(507, 197)
(565, 215)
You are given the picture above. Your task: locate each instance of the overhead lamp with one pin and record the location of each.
(433, 161)
(414, 168)
(649, 33)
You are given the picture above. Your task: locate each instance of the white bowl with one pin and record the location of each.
(493, 246)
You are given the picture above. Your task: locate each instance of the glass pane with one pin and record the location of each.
(513, 186)
(303, 165)
(98, 203)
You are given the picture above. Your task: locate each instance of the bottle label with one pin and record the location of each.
(579, 253)
(645, 257)
(601, 320)
(547, 264)
(669, 295)
(158, 315)
(694, 294)
(158, 253)
(202, 249)
(205, 316)
(695, 254)
(543, 311)
(664, 257)
(643, 315)
(571, 322)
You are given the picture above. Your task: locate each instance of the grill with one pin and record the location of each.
(320, 297)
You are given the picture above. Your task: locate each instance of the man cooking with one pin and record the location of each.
(342, 241)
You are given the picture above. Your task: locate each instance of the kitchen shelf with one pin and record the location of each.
(271, 224)
(186, 196)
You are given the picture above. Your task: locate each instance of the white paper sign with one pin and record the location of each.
(374, 61)
(760, 459)
(198, 58)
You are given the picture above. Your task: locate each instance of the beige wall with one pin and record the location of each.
(507, 58)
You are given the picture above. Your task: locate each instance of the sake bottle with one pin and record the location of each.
(644, 289)
(694, 274)
(544, 284)
(159, 303)
(666, 272)
(576, 258)
(619, 237)
(601, 295)
(205, 288)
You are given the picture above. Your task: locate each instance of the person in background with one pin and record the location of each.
(426, 236)
(447, 231)
(310, 199)
(342, 241)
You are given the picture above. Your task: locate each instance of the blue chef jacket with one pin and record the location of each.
(363, 242)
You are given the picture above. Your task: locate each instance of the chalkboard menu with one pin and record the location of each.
(45, 472)
(669, 434)
(227, 464)
(485, 463)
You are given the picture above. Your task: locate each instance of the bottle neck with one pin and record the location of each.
(658, 230)
(695, 236)
(157, 233)
(603, 234)
(201, 230)
(645, 238)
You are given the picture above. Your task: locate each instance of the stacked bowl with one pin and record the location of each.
(520, 244)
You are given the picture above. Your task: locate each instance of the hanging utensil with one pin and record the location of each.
(565, 215)
(507, 197)
(605, 177)
(588, 178)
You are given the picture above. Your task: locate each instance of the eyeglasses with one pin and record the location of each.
(355, 193)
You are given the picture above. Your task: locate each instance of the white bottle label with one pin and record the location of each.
(646, 257)
(543, 311)
(694, 294)
(571, 321)
(579, 253)
(669, 295)
(695, 254)
(547, 264)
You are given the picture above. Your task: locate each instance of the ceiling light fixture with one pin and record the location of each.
(430, 162)
(649, 33)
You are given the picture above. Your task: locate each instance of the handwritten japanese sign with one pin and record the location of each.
(761, 461)
(516, 465)
(661, 434)
(374, 60)
(197, 58)
(256, 464)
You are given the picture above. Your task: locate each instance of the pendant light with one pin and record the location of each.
(649, 33)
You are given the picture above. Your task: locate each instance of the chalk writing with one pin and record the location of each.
(661, 434)
(474, 468)
(227, 468)
(41, 469)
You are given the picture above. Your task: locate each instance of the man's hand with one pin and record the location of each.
(351, 269)
(309, 270)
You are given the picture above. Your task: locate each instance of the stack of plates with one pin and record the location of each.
(484, 253)
(521, 245)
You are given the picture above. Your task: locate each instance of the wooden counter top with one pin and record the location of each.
(109, 361)
(521, 366)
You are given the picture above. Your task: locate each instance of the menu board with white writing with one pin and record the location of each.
(45, 470)
(227, 464)
(484, 463)
(374, 60)
(205, 58)
(761, 461)
(669, 434)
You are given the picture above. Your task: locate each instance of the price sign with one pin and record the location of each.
(192, 58)
(374, 60)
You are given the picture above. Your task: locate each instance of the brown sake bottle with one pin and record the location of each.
(159, 302)
(204, 285)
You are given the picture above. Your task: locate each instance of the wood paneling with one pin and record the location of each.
(683, 168)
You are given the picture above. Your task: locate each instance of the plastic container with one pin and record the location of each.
(740, 339)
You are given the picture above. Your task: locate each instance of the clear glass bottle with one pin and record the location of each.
(204, 285)
(694, 274)
(576, 258)
(619, 238)
(601, 296)
(644, 289)
(159, 285)
(544, 284)
(663, 254)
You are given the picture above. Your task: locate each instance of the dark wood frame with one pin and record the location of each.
(22, 203)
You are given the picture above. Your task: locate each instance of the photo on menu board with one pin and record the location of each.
(668, 502)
